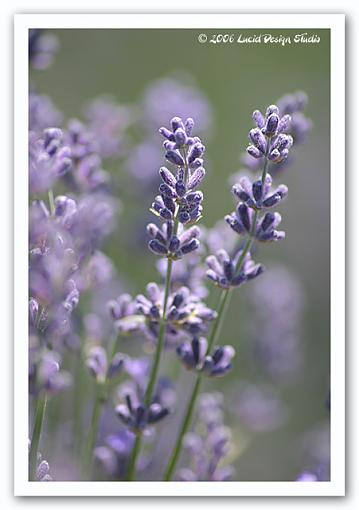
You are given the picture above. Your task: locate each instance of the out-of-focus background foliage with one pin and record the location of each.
(236, 79)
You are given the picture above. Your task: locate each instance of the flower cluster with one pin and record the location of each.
(290, 107)
(223, 269)
(185, 312)
(164, 242)
(209, 444)
(99, 367)
(177, 197)
(138, 416)
(194, 356)
(42, 48)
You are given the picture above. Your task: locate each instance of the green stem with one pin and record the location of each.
(131, 469)
(90, 443)
(36, 434)
(223, 303)
(51, 202)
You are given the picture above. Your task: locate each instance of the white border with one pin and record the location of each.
(335, 22)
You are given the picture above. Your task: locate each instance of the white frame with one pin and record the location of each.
(334, 22)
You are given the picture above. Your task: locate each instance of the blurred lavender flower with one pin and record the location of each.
(194, 356)
(49, 159)
(42, 48)
(88, 174)
(100, 367)
(258, 407)
(135, 414)
(42, 113)
(187, 272)
(220, 237)
(46, 374)
(170, 96)
(109, 121)
(209, 444)
(277, 299)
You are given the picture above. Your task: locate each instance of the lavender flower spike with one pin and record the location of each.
(193, 356)
(244, 221)
(222, 269)
(268, 138)
(257, 195)
(177, 199)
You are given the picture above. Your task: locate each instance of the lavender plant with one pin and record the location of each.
(112, 354)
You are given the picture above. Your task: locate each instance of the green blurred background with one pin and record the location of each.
(236, 79)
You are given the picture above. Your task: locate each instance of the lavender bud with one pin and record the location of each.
(284, 123)
(195, 152)
(176, 123)
(244, 216)
(183, 217)
(189, 247)
(157, 248)
(196, 178)
(180, 137)
(180, 188)
(174, 157)
(272, 109)
(258, 139)
(188, 125)
(257, 190)
(271, 125)
(258, 118)
(166, 190)
(254, 152)
(167, 177)
(166, 133)
(174, 244)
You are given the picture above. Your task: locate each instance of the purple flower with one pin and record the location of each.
(99, 367)
(223, 269)
(241, 221)
(178, 199)
(209, 444)
(185, 313)
(49, 160)
(167, 97)
(275, 336)
(42, 48)
(257, 195)
(194, 356)
(164, 242)
(135, 414)
(109, 121)
(42, 113)
(258, 406)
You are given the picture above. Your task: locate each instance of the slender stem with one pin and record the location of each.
(51, 202)
(78, 405)
(223, 303)
(131, 469)
(161, 337)
(90, 443)
(36, 434)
